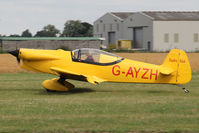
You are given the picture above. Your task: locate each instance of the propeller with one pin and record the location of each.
(16, 54)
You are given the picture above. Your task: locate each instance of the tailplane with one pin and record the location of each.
(177, 64)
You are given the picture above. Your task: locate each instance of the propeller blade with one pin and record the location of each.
(16, 54)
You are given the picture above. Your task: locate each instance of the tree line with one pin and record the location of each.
(72, 28)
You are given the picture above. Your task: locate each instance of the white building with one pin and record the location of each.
(155, 31)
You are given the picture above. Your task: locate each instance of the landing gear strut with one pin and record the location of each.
(57, 84)
(61, 80)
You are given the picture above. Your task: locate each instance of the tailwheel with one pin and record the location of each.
(57, 85)
(183, 88)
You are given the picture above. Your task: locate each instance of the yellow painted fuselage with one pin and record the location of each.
(174, 70)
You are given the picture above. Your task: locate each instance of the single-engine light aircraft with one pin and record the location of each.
(96, 66)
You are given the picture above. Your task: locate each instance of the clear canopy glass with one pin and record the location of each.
(94, 56)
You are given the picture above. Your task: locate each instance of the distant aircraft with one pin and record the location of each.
(96, 66)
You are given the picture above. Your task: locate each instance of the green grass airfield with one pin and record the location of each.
(109, 107)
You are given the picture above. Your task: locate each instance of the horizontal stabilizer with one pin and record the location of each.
(166, 71)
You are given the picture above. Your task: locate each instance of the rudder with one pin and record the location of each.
(184, 69)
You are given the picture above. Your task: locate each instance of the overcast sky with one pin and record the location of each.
(19, 15)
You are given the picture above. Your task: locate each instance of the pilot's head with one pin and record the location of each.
(88, 53)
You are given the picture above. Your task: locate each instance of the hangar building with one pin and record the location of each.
(153, 31)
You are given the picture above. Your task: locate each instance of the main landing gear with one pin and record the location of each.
(57, 84)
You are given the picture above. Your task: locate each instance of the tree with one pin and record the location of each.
(26, 33)
(1, 35)
(89, 29)
(48, 31)
(14, 35)
(75, 28)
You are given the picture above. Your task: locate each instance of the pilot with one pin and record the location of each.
(89, 57)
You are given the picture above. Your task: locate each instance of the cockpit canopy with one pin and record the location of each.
(94, 56)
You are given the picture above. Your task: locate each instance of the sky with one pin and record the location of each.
(18, 15)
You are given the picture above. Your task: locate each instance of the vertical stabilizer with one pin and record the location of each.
(178, 62)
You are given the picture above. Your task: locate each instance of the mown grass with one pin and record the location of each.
(109, 107)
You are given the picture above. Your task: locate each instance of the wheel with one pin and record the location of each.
(54, 86)
(186, 91)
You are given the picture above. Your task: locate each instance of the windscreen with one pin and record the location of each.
(94, 56)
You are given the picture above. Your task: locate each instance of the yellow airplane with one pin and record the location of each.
(96, 66)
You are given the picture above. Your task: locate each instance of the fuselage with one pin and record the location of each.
(124, 70)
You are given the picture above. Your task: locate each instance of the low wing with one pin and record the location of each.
(94, 80)
(72, 75)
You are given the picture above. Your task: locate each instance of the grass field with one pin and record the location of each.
(109, 107)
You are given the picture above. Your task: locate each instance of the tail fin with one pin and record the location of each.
(177, 65)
